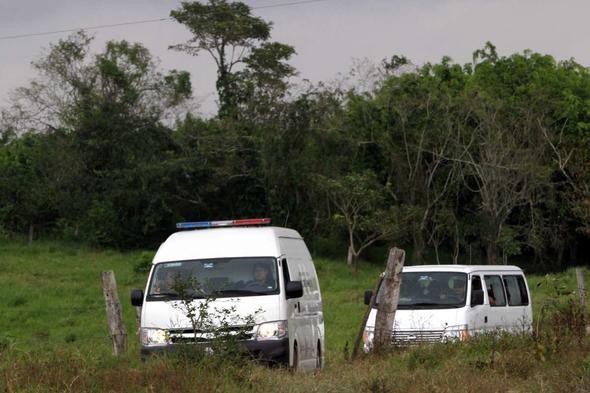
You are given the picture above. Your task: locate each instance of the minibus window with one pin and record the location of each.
(431, 290)
(516, 291)
(286, 277)
(495, 291)
(476, 286)
(523, 290)
(218, 278)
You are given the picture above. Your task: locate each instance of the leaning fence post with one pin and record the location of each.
(114, 317)
(359, 336)
(389, 299)
(581, 292)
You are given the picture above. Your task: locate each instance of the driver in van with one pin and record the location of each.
(262, 277)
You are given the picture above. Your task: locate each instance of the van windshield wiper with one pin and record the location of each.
(237, 292)
(427, 304)
(175, 295)
(163, 294)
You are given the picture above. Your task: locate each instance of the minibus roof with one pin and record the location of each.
(462, 268)
(225, 242)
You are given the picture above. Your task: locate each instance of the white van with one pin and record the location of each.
(449, 302)
(264, 275)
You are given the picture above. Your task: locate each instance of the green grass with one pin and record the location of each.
(53, 337)
(51, 294)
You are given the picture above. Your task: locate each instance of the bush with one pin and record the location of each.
(101, 226)
(143, 263)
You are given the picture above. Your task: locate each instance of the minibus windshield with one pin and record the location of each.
(421, 290)
(220, 277)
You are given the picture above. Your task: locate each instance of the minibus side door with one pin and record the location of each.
(496, 299)
(477, 318)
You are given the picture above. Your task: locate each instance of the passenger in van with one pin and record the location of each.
(262, 277)
(165, 282)
(458, 289)
(491, 297)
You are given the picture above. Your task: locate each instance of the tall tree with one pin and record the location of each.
(233, 37)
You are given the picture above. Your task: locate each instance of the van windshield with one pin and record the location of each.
(220, 277)
(431, 290)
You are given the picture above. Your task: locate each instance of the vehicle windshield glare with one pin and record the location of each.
(431, 290)
(220, 277)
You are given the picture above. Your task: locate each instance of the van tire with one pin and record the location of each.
(318, 359)
(295, 366)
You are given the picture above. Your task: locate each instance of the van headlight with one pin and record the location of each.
(456, 333)
(272, 330)
(150, 336)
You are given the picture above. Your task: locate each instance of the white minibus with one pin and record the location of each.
(438, 303)
(264, 275)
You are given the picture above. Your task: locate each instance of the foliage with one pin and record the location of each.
(233, 36)
(452, 161)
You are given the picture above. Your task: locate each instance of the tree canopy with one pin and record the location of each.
(485, 161)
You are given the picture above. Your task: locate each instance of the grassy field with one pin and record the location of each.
(53, 337)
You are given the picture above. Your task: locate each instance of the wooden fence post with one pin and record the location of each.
(582, 294)
(389, 299)
(114, 316)
(359, 336)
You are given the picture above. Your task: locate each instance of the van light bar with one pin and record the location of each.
(225, 223)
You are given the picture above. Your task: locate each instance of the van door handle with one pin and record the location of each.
(298, 307)
(485, 319)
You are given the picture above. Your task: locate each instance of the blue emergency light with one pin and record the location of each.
(225, 223)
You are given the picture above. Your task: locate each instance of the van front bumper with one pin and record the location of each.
(267, 350)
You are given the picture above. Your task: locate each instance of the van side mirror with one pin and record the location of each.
(368, 296)
(137, 297)
(294, 289)
(476, 297)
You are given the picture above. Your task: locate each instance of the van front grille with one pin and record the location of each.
(410, 337)
(239, 333)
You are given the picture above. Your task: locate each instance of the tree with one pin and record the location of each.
(233, 36)
(361, 204)
(110, 108)
(412, 121)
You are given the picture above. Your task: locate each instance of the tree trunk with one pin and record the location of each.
(350, 256)
(491, 252)
(457, 245)
(436, 253)
(418, 248)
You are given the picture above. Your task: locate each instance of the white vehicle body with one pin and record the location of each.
(289, 330)
(505, 303)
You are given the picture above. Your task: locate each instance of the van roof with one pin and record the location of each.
(462, 268)
(223, 243)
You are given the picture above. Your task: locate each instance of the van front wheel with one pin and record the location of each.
(318, 359)
(295, 366)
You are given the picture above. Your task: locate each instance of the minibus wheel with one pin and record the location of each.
(318, 359)
(295, 366)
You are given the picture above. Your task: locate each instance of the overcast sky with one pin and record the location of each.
(327, 35)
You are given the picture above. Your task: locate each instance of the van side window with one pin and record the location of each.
(475, 283)
(286, 277)
(516, 291)
(476, 286)
(495, 291)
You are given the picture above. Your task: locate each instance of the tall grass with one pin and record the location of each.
(53, 337)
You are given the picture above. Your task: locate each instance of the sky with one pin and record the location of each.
(328, 35)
